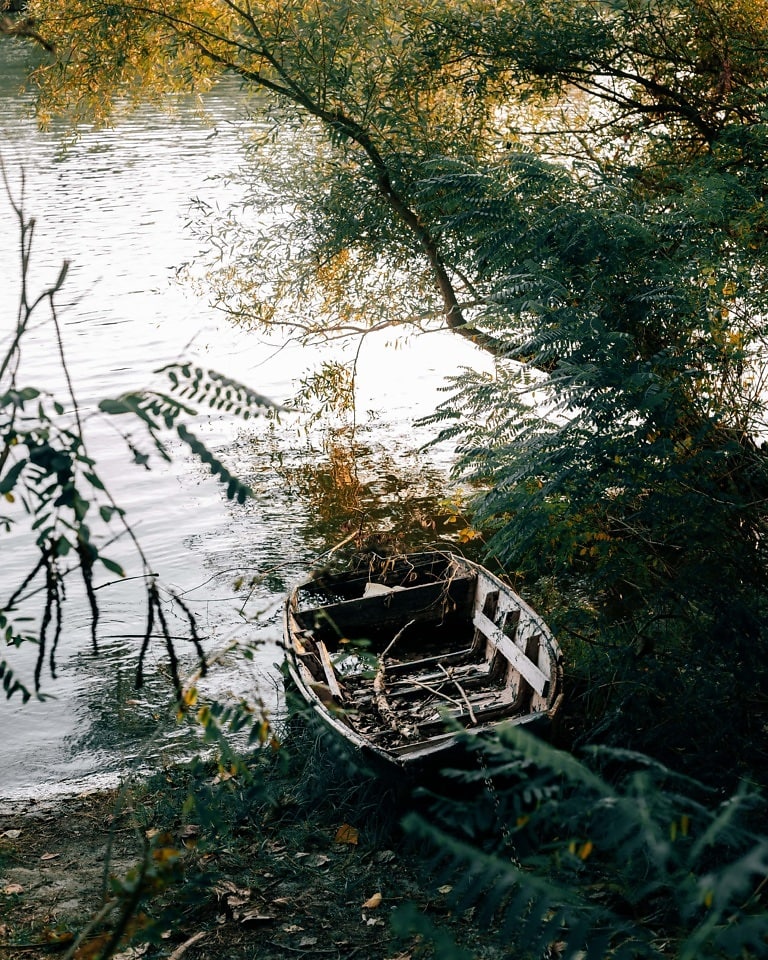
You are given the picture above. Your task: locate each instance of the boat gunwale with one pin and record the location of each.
(406, 752)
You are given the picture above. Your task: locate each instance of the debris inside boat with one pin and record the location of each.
(400, 653)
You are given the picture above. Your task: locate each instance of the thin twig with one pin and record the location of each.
(459, 687)
(435, 691)
(396, 637)
(182, 949)
(95, 920)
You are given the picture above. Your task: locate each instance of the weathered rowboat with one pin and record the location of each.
(399, 654)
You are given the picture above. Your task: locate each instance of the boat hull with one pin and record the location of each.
(405, 654)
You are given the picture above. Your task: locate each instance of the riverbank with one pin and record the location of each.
(270, 859)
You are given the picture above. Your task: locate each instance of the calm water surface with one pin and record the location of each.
(115, 203)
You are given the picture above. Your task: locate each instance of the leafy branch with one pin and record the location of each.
(632, 861)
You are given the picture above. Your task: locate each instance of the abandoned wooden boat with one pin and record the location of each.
(404, 651)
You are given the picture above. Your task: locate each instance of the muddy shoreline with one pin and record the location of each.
(273, 872)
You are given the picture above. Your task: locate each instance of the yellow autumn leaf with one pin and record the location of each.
(263, 731)
(347, 834)
(373, 902)
(165, 854)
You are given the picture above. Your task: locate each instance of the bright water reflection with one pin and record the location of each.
(115, 202)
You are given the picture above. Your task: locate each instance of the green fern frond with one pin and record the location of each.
(597, 864)
(236, 490)
(218, 391)
(11, 684)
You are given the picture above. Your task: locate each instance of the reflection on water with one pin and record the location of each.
(361, 487)
(115, 203)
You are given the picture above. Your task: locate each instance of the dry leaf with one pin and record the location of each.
(49, 856)
(318, 860)
(132, 953)
(254, 916)
(11, 834)
(234, 902)
(445, 889)
(373, 902)
(13, 888)
(226, 886)
(347, 834)
(307, 941)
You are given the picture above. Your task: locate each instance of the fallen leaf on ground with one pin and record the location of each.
(373, 902)
(49, 856)
(254, 916)
(13, 888)
(11, 834)
(132, 953)
(445, 889)
(347, 834)
(318, 860)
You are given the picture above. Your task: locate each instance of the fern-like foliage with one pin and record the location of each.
(617, 452)
(618, 858)
(158, 411)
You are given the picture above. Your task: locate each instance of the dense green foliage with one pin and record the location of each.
(615, 858)
(622, 450)
(578, 187)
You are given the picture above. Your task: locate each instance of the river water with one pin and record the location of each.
(116, 203)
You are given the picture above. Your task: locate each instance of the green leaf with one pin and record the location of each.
(63, 546)
(112, 566)
(93, 480)
(117, 407)
(236, 490)
(8, 482)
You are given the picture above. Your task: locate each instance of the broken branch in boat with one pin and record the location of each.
(464, 697)
(396, 637)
